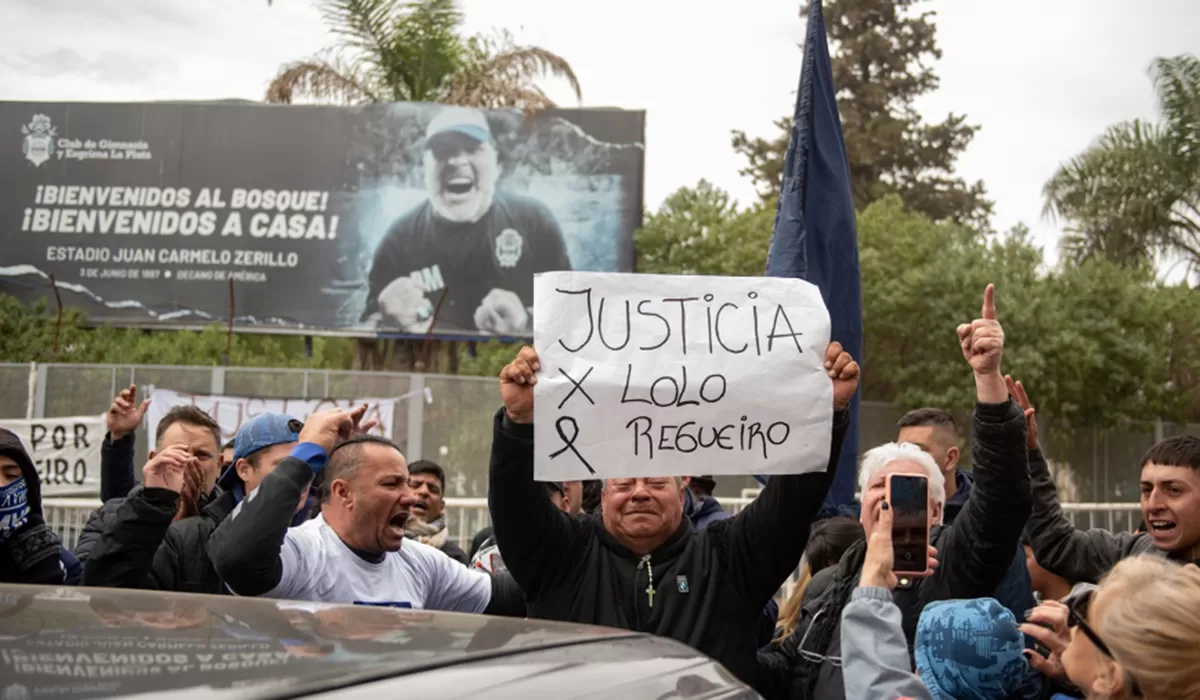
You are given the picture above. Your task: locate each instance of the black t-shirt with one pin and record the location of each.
(516, 238)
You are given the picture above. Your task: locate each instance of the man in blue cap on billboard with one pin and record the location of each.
(144, 547)
(480, 243)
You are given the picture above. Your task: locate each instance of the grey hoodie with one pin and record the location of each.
(875, 661)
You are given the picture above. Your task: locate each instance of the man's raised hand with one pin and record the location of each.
(516, 385)
(880, 559)
(125, 414)
(844, 371)
(357, 427)
(982, 342)
(1017, 390)
(165, 470)
(329, 427)
(189, 495)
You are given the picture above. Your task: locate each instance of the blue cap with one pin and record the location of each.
(459, 120)
(263, 431)
(970, 649)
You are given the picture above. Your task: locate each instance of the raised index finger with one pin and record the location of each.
(989, 302)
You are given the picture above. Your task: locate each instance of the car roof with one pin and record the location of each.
(98, 642)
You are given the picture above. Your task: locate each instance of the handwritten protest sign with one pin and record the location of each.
(66, 452)
(231, 411)
(662, 375)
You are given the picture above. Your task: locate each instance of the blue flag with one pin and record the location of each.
(815, 237)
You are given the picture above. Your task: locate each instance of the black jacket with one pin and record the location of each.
(116, 483)
(140, 546)
(31, 553)
(1079, 556)
(974, 554)
(477, 541)
(709, 586)
(117, 477)
(451, 549)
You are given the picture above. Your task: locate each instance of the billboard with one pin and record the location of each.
(400, 218)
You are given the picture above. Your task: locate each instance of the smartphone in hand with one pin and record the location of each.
(908, 497)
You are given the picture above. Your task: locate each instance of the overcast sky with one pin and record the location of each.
(1042, 77)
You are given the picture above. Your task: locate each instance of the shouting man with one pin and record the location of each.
(428, 522)
(478, 246)
(357, 549)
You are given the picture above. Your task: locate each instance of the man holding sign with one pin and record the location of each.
(641, 565)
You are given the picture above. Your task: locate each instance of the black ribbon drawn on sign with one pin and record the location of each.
(569, 442)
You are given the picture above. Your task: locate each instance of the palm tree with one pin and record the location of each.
(397, 51)
(1135, 193)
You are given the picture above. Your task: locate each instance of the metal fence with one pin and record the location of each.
(467, 516)
(455, 429)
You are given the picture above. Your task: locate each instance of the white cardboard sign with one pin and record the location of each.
(231, 412)
(665, 375)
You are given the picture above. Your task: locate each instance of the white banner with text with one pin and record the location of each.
(665, 375)
(66, 452)
(231, 412)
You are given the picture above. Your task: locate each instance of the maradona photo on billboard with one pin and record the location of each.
(480, 243)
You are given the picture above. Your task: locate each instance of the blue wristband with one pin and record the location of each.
(312, 454)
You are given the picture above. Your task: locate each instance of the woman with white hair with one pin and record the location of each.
(1135, 636)
(975, 551)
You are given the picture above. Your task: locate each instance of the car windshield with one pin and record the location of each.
(93, 643)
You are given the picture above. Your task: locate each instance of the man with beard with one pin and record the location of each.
(479, 246)
(186, 426)
(428, 522)
(148, 544)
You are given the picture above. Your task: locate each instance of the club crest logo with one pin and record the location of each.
(509, 246)
(38, 145)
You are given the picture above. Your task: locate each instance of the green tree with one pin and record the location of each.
(27, 335)
(1090, 341)
(394, 51)
(700, 231)
(1135, 192)
(881, 51)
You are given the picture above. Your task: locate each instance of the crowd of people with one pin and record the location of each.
(1019, 603)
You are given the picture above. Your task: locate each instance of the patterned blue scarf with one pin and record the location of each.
(14, 507)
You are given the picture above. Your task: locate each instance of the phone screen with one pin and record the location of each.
(909, 500)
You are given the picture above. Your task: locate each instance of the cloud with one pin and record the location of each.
(128, 13)
(109, 67)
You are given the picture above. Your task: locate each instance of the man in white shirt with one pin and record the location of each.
(356, 550)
